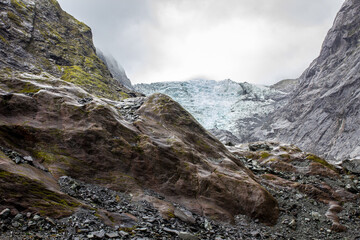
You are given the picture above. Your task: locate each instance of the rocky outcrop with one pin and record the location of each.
(116, 70)
(322, 115)
(37, 36)
(224, 136)
(164, 149)
(286, 85)
(60, 114)
(285, 168)
(224, 105)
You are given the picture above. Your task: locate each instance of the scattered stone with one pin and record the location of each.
(15, 224)
(187, 236)
(85, 100)
(123, 234)
(173, 231)
(5, 213)
(352, 165)
(18, 217)
(49, 220)
(29, 159)
(184, 215)
(99, 234)
(207, 225)
(259, 147)
(112, 235)
(316, 215)
(292, 224)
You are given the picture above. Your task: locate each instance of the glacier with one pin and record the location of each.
(237, 107)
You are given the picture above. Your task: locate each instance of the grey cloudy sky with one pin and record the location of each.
(258, 41)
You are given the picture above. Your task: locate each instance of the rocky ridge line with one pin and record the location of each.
(322, 115)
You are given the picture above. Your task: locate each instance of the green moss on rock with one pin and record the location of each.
(32, 195)
(323, 162)
(13, 17)
(265, 154)
(29, 88)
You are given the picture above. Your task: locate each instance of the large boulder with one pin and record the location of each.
(71, 132)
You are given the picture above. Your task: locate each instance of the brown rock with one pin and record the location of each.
(44, 115)
(165, 149)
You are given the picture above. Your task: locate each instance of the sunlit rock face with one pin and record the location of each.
(61, 109)
(323, 113)
(223, 105)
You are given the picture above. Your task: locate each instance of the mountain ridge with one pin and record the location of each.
(322, 114)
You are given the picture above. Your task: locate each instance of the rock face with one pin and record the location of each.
(60, 114)
(38, 36)
(322, 115)
(286, 85)
(223, 105)
(116, 70)
(164, 149)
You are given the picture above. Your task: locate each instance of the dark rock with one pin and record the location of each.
(5, 213)
(18, 217)
(351, 165)
(259, 147)
(85, 100)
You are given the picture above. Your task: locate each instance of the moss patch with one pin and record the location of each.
(32, 195)
(29, 88)
(265, 154)
(3, 40)
(13, 17)
(317, 159)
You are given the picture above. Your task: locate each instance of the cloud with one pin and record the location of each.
(258, 41)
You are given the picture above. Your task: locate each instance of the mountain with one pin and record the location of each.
(224, 105)
(286, 85)
(83, 157)
(116, 70)
(54, 43)
(323, 113)
(62, 116)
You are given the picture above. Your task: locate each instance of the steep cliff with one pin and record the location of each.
(37, 36)
(323, 113)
